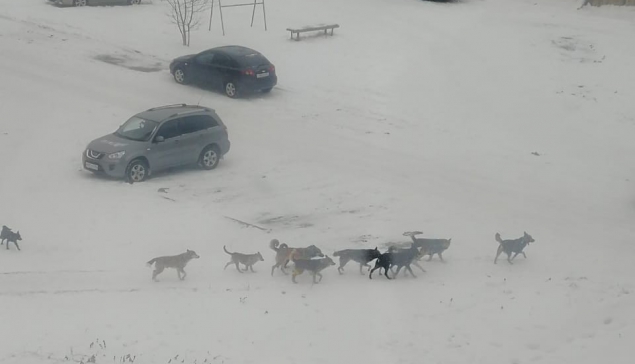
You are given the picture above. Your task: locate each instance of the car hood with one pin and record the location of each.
(186, 58)
(111, 143)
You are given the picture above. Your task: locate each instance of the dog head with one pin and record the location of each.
(17, 235)
(260, 257)
(374, 253)
(314, 251)
(528, 239)
(326, 261)
(446, 243)
(192, 254)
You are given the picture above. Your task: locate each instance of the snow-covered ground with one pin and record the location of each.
(414, 116)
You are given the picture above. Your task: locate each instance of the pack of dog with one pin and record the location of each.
(10, 237)
(177, 262)
(514, 246)
(248, 260)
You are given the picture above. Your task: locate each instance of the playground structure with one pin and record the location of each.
(221, 6)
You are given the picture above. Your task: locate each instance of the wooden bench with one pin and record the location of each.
(311, 28)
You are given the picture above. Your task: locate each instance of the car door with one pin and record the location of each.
(220, 70)
(192, 138)
(166, 153)
(202, 68)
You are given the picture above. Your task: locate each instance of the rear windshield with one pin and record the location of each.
(253, 60)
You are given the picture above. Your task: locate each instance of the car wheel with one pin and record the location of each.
(134, 2)
(180, 76)
(80, 2)
(267, 90)
(137, 171)
(231, 90)
(209, 158)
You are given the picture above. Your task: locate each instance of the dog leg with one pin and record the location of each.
(398, 270)
(320, 274)
(370, 275)
(273, 268)
(227, 265)
(157, 271)
(293, 275)
(524, 255)
(251, 268)
(419, 266)
(508, 258)
(386, 272)
(16, 245)
(498, 252)
(441, 257)
(343, 262)
(514, 256)
(238, 267)
(410, 270)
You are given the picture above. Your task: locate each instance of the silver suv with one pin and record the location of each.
(158, 139)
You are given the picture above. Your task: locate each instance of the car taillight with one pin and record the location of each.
(272, 68)
(249, 73)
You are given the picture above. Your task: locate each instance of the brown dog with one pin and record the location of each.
(284, 254)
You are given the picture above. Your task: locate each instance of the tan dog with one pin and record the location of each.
(177, 262)
(248, 260)
(284, 254)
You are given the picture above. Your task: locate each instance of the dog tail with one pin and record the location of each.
(226, 250)
(149, 263)
(498, 238)
(273, 244)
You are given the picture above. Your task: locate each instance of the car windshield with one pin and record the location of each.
(137, 129)
(253, 60)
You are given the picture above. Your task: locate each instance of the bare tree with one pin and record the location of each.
(185, 14)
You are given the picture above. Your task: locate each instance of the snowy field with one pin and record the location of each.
(460, 120)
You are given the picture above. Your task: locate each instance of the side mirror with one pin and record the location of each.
(159, 139)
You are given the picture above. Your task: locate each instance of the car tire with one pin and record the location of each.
(180, 76)
(137, 171)
(267, 90)
(209, 157)
(231, 90)
(134, 2)
(80, 2)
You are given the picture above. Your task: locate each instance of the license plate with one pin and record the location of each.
(264, 74)
(92, 166)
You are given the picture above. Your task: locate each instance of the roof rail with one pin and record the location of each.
(166, 107)
(201, 108)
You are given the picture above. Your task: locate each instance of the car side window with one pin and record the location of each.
(221, 60)
(191, 124)
(196, 123)
(209, 122)
(169, 129)
(205, 58)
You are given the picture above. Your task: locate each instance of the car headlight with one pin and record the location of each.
(117, 155)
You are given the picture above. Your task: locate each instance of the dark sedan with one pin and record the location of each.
(234, 69)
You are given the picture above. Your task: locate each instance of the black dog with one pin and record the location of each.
(12, 237)
(361, 256)
(514, 246)
(399, 259)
